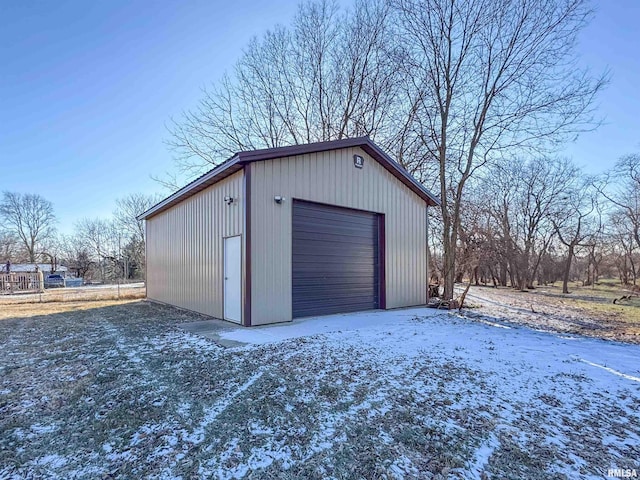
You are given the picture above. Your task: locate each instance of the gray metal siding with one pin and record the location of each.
(185, 247)
(334, 260)
(330, 177)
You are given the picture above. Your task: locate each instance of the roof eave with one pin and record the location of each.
(373, 150)
(242, 158)
(188, 190)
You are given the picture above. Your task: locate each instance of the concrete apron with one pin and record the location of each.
(211, 329)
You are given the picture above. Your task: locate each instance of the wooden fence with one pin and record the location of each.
(21, 282)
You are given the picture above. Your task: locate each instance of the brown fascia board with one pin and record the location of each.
(293, 150)
(213, 176)
(236, 162)
(400, 173)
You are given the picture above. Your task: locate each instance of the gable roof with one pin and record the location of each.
(240, 159)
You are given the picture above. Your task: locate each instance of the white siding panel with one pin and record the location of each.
(330, 177)
(185, 247)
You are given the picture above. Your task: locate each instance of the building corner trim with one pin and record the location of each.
(382, 260)
(246, 317)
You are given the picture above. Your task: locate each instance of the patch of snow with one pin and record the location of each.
(482, 455)
(183, 409)
(385, 437)
(403, 467)
(468, 386)
(124, 456)
(327, 324)
(256, 428)
(197, 436)
(51, 461)
(26, 404)
(610, 370)
(41, 429)
(494, 324)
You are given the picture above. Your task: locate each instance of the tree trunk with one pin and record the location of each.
(503, 274)
(449, 262)
(449, 257)
(567, 270)
(587, 281)
(31, 249)
(624, 272)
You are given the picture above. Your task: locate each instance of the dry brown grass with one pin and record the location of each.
(585, 310)
(25, 310)
(83, 294)
(62, 300)
(121, 392)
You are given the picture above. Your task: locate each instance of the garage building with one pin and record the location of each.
(276, 234)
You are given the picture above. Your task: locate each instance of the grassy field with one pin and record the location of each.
(78, 294)
(108, 389)
(598, 300)
(586, 310)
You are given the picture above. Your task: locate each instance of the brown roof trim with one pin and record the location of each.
(223, 170)
(400, 173)
(290, 151)
(382, 261)
(247, 246)
(236, 163)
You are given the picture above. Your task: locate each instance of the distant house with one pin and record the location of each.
(45, 268)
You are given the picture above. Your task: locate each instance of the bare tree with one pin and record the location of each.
(622, 189)
(447, 86)
(8, 247)
(575, 222)
(330, 75)
(624, 250)
(127, 210)
(29, 217)
(489, 77)
(74, 253)
(522, 197)
(131, 229)
(101, 240)
(595, 254)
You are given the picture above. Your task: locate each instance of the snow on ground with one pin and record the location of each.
(585, 312)
(122, 392)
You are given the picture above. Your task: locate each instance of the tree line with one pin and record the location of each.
(472, 97)
(450, 88)
(536, 222)
(98, 249)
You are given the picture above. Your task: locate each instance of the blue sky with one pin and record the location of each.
(86, 89)
(611, 42)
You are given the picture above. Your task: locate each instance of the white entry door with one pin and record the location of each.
(233, 279)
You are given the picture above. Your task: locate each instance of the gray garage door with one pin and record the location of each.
(335, 260)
